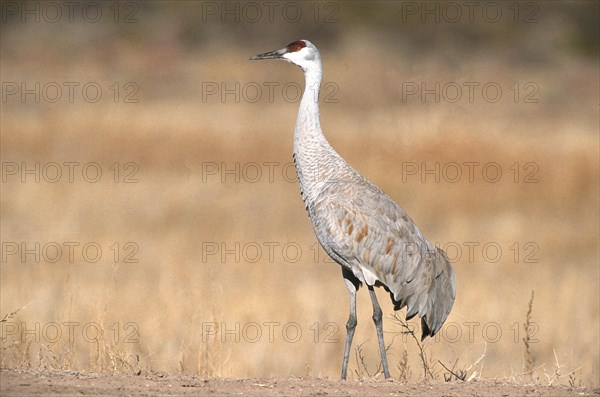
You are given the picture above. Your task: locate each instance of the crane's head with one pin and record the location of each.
(302, 53)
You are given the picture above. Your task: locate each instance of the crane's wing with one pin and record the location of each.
(380, 243)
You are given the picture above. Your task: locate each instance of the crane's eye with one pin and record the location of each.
(296, 46)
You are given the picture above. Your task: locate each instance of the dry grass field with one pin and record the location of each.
(192, 253)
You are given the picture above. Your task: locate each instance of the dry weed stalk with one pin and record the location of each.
(212, 359)
(360, 359)
(422, 354)
(458, 374)
(404, 367)
(11, 315)
(529, 360)
(557, 373)
(112, 354)
(461, 374)
(529, 369)
(19, 349)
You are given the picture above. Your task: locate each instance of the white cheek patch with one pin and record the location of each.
(287, 58)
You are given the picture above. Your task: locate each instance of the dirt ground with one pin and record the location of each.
(36, 383)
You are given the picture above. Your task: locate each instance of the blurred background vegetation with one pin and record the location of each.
(173, 129)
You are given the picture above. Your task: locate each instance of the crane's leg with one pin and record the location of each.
(352, 283)
(377, 315)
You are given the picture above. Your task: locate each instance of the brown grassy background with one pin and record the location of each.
(175, 209)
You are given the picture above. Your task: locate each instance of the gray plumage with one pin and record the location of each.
(360, 226)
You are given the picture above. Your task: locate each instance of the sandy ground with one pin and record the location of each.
(35, 383)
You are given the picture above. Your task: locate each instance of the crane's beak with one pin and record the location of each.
(277, 54)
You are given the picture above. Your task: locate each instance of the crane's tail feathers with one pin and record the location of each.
(432, 304)
(441, 296)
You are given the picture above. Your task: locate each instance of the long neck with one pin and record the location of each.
(308, 114)
(315, 158)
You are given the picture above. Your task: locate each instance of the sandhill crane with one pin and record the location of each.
(361, 227)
